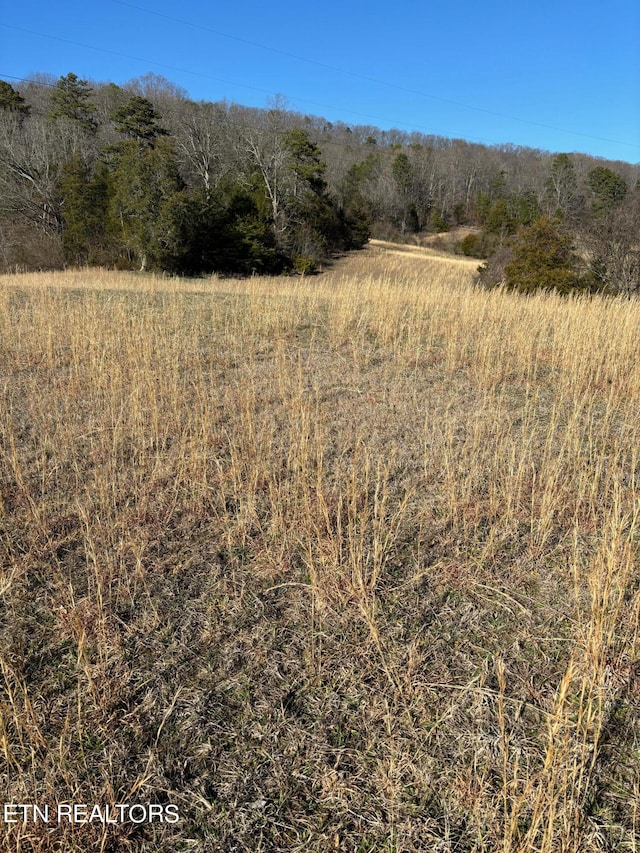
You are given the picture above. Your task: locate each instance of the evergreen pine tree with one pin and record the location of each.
(71, 100)
(145, 184)
(608, 190)
(11, 100)
(542, 258)
(138, 119)
(314, 227)
(84, 207)
(403, 177)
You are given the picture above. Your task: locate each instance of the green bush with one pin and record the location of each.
(538, 257)
(302, 265)
(542, 258)
(477, 245)
(439, 221)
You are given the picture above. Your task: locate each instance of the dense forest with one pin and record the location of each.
(139, 176)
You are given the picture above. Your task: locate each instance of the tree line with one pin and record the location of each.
(140, 176)
(103, 175)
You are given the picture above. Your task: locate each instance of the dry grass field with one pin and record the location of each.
(340, 563)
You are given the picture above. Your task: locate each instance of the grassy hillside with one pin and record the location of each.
(338, 563)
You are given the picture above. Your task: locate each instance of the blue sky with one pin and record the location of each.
(560, 76)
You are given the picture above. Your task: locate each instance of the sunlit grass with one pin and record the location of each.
(342, 562)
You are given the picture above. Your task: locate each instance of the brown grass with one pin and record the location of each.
(339, 563)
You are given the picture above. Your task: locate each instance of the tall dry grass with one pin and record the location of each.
(338, 563)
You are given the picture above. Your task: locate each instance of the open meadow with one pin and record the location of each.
(338, 563)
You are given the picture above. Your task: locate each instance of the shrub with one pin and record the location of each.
(303, 265)
(538, 257)
(543, 258)
(439, 221)
(477, 245)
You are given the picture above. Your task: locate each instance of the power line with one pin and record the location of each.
(163, 65)
(386, 149)
(243, 125)
(365, 77)
(134, 58)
